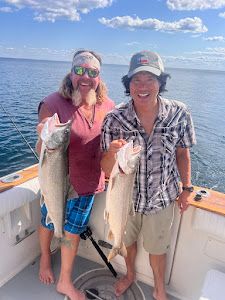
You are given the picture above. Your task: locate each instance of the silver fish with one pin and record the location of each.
(53, 170)
(119, 196)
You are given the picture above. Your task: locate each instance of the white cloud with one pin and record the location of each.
(222, 15)
(193, 25)
(218, 38)
(36, 53)
(220, 51)
(212, 55)
(212, 58)
(50, 10)
(132, 43)
(195, 4)
(6, 9)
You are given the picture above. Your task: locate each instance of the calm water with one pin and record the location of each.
(23, 83)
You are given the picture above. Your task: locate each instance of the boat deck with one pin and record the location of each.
(26, 285)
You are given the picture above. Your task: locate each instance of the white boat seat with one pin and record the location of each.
(18, 196)
(214, 286)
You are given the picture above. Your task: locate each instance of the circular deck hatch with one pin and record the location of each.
(100, 282)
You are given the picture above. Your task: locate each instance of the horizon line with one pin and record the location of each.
(67, 61)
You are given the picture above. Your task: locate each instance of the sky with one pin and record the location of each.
(186, 33)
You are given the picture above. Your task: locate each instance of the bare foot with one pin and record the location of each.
(69, 290)
(122, 285)
(158, 296)
(45, 270)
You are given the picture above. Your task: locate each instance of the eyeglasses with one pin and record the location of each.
(80, 71)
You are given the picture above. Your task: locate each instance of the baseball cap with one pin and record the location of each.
(146, 61)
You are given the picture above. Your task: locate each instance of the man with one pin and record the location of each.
(164, 129)
(82, 98)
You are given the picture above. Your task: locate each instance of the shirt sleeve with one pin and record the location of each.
(188, 138)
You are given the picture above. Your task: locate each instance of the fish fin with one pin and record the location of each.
(113, 252)
(106, 216)
(132, 210)
(110, 235)
(123, 250)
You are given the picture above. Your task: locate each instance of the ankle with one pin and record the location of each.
(160, 295)
(131, 276)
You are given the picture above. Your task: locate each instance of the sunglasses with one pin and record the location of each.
(80, 71)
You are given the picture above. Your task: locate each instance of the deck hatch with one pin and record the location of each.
(101, 281)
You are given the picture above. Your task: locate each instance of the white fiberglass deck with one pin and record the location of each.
(26, 285)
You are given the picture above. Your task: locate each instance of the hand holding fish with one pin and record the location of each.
(116, 145)
(109, 157)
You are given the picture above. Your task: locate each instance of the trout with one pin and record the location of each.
(53, 171)
(119, 196)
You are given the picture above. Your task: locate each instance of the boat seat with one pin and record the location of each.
(18, 196)
(214, 286)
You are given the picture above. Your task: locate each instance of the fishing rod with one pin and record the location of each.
(24, 139)
(87, 234)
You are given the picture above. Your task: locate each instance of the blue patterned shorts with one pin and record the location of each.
(77, 214)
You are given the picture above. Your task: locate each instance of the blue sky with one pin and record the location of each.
(186, 33)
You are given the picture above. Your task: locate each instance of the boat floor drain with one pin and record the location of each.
(98, 284)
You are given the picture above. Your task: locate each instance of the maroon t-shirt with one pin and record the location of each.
(84, 149)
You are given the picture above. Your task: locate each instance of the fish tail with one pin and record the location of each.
(110, 235)
(58, 233)
(106, 216)
(123, 250)
(113, 252)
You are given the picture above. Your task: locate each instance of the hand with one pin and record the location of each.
(183, 202)
(116, 145)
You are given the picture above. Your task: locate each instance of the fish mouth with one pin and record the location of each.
(58, 123)
(63, 124)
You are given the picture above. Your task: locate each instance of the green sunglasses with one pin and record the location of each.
(80, 71)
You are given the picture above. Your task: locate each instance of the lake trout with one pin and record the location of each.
(119, 196)
(53, 171)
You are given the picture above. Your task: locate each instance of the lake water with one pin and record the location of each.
(23, 83)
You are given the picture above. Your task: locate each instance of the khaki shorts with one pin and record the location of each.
(155, 229)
